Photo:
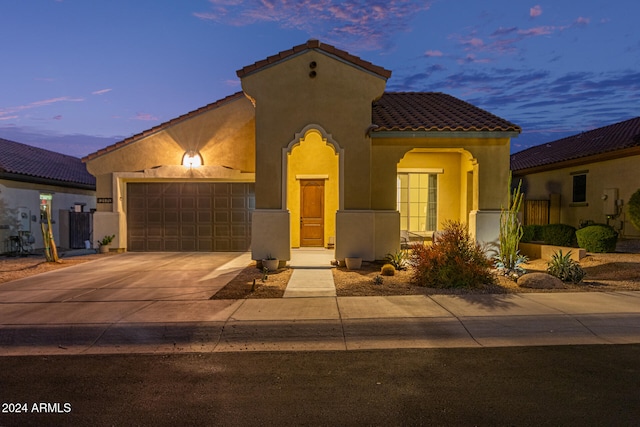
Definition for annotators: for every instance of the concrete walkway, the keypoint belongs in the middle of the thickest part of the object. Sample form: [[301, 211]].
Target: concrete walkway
[[312, 276], [133, 303]]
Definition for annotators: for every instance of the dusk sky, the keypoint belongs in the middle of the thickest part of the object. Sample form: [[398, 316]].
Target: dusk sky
[[78, 75]]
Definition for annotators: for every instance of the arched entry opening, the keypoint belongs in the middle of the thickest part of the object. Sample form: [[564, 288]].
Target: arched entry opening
[[312, 190], [434, 186]]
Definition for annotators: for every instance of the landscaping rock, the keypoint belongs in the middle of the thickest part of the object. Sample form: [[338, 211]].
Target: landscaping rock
[[540, 281]]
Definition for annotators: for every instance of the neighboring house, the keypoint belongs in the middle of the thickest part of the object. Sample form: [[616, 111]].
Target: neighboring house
[[32, 179], [312, 152], [585, 177]]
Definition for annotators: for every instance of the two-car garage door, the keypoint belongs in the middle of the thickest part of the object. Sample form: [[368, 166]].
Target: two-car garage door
[[190, 217]]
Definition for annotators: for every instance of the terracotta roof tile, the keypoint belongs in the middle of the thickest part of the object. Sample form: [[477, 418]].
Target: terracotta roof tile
[[314, 44], [607, 139], [28, 161], [433, 111], [163, 126]]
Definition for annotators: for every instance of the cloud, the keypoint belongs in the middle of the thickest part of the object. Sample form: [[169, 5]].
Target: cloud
[[145, 117], [582, 21], [101, 91], [359, 24], [537, 31], [433, 53], [36, 104], [58, 117], [535, 11]]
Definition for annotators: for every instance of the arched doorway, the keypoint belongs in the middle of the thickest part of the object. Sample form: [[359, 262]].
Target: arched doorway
[[312, 190]]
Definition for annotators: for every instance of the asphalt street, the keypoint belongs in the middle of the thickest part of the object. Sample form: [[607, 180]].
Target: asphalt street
[[564, 385]]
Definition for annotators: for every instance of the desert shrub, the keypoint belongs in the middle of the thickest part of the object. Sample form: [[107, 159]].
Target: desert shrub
[[559, 235], [388, 270], [564, 268], [597, 238], [398, 260], [633, 207], [531, 233], [378, 280], [455, 260]]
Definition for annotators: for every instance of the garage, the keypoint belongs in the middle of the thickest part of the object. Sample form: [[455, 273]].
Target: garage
[[189, 216]]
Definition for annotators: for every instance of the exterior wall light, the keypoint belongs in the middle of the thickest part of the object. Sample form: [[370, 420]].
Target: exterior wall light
[[192, 159]]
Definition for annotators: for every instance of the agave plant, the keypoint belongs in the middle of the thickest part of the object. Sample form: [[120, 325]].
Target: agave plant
[[512, 267], [399, 259], [564, 268]]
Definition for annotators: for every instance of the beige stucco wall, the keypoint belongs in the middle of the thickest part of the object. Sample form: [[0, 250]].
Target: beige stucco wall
[[313, 159], [620, 173], [224, 136], [338, 99]]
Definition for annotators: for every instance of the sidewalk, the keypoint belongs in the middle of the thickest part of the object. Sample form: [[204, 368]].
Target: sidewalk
[[323, 323], [158, 303]]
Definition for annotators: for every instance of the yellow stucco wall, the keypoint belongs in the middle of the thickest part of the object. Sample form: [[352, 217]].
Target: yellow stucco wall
[[313, 158], [617, 173]]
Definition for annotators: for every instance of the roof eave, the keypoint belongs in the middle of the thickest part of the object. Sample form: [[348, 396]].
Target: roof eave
[[611, 155], [46, 181], [443, 134], [326, 49]]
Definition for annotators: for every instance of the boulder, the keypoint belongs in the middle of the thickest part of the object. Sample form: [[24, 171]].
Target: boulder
[[540, 281]]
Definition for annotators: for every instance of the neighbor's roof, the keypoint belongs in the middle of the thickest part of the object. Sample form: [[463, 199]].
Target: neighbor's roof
[[607, 139], [433, 111], [163, 126], [21, 162], [314, 45]]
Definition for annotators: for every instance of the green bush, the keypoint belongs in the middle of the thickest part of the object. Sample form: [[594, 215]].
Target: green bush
[[531, 233], [634, 209], [564, 268], [597, 238], [559, 235], [455, 260], [388, 270]]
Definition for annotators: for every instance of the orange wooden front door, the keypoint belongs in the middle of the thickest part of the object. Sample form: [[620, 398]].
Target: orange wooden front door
[[311, 212]]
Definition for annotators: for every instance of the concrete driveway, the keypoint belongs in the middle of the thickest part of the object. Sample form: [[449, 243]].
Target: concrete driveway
[[130, 277]]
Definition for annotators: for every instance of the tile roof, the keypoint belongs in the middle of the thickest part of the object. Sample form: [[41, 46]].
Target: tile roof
[[36, 164], [317, 45], [607, 139], [433, 111], [163, 126]]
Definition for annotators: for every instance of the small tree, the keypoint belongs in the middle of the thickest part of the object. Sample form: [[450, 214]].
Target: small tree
[[509, 260]]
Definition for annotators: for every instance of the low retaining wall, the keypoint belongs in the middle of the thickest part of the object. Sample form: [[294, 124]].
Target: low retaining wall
[[538, 250]]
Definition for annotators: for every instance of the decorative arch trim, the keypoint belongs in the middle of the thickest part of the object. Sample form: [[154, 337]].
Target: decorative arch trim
[[296, 141]]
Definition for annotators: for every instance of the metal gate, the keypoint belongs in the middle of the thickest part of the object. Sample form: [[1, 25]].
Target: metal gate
[[80, 229]]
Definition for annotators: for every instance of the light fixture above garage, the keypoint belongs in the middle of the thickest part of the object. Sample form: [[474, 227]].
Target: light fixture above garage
[[192, 159]]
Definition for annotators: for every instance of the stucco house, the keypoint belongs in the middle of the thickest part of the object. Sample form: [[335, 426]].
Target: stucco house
[[311, 152], [32, 179], [585, 177]]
